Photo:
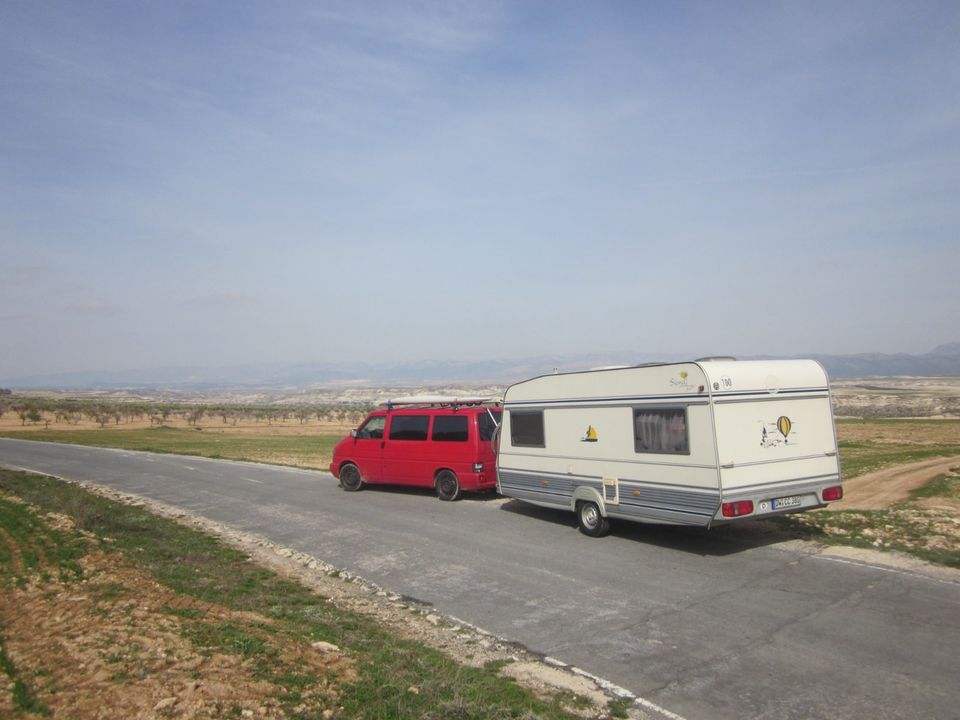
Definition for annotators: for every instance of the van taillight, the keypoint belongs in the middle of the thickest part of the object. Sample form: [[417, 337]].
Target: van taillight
[[736, 509], [832, 493]]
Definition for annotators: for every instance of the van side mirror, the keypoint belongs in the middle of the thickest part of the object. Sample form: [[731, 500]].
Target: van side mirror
[[353, 434]]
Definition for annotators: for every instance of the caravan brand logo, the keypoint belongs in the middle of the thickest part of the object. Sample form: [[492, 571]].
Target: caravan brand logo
[[590, 435], [774, 434]]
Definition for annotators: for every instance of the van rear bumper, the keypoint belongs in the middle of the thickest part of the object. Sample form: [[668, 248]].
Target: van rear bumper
[[478, 481]]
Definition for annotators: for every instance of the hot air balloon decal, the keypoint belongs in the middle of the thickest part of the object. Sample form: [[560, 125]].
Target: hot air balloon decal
[[784, 425]]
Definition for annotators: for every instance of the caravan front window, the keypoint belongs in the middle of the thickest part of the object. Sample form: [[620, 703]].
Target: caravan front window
[[661, 430], [526, 428]]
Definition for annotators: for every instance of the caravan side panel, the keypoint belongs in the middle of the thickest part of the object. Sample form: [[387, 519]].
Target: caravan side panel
[[590, 445]]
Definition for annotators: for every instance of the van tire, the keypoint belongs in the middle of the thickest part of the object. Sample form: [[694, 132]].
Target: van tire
[[448, 487], [590, 520], [350, 478]]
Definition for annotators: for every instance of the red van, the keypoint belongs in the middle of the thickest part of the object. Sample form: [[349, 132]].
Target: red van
[[443, 443]]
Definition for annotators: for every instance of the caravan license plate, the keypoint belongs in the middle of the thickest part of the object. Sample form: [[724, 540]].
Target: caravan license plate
[[786, 502]]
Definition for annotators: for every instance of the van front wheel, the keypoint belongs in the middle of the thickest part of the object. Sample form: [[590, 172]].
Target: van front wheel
[[448, 487], [350, 478], [591, 522]]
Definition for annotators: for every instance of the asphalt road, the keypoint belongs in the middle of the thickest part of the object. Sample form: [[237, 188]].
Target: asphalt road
[[708, 625]]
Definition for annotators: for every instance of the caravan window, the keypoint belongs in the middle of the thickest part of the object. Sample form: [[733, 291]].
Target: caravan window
[[661, 430], [526, 428]]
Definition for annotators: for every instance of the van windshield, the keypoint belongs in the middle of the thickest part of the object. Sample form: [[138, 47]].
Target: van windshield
[[487, 425]]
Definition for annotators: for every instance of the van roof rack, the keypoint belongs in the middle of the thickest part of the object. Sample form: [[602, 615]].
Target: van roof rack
[[438, 401]]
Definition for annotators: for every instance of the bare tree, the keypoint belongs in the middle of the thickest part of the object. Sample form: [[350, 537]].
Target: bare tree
[[196, 415]]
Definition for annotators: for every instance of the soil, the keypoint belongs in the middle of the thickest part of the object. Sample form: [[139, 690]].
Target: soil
[[883, 488], [897, 397], [924, 432], [111, 645]]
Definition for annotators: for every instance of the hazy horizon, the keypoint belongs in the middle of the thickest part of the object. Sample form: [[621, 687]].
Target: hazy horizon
[[943, 360], [233, 184]]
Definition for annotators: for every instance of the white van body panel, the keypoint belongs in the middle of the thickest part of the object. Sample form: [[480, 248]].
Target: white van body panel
[[755, 430]]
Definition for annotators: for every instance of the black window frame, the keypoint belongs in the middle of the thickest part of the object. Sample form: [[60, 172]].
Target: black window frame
[[513, 428], [426, 427], [442, 419], [683, 409]]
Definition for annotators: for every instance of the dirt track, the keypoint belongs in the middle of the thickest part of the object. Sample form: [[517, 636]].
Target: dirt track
[[881, 489]]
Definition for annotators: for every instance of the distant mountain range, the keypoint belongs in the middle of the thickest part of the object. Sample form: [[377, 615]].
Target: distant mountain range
[[943, 360]]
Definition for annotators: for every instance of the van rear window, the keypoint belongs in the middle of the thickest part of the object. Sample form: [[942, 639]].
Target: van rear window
[[409, 427], [450, 428], [487, 424]]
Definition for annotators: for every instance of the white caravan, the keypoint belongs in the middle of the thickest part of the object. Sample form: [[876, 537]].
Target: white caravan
[[693, 443]]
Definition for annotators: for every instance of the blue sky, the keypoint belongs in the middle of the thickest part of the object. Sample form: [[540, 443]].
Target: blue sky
[[189, 183]]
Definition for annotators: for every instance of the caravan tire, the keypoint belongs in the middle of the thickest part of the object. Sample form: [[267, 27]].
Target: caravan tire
[[591, 522], [448, 487], [350, 478]]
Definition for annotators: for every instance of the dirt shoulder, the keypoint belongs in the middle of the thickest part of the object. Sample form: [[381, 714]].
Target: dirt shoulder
[[881, 489]]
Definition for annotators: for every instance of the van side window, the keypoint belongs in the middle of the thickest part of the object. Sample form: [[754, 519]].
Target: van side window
[[450, 428], [526, 428], [487, 425], [373, 428], [409, 427], [661, 430]]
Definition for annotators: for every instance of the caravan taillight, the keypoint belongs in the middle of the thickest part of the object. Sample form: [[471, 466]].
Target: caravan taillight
[[736, 509], [832, 493]]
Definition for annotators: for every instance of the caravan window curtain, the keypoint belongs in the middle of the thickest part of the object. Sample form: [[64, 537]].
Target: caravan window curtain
[[661, 430]]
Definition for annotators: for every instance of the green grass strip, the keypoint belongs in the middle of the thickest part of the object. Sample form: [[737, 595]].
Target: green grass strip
[[23, 697]]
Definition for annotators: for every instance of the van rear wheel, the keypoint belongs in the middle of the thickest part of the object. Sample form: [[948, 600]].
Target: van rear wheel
[[448, 487], [591, 522], [350, 478]]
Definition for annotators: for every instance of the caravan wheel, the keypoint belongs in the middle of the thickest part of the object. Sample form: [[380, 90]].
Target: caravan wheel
[[591, 522]]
